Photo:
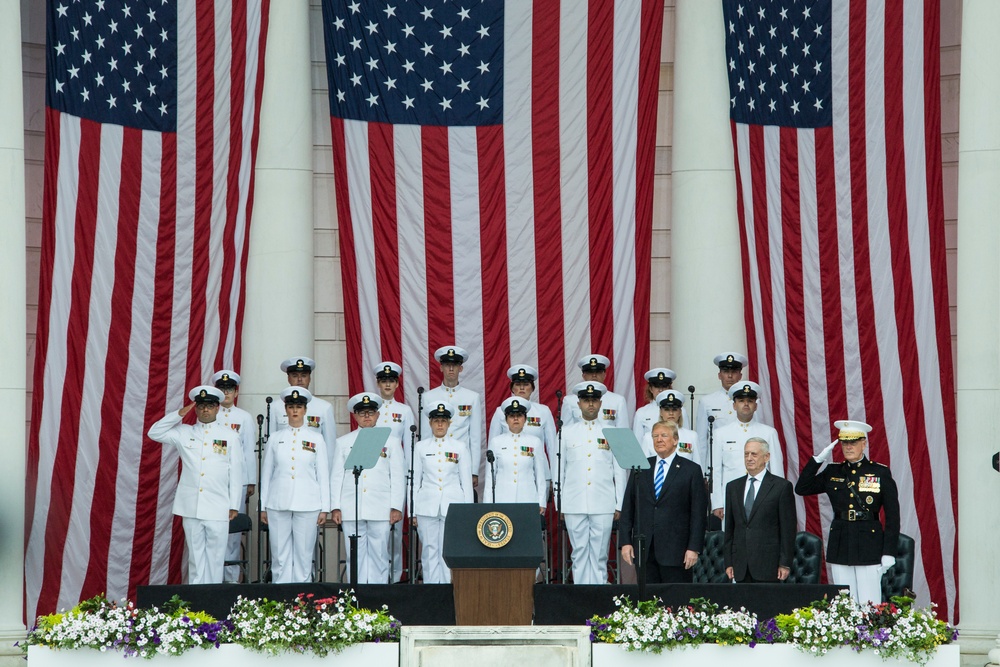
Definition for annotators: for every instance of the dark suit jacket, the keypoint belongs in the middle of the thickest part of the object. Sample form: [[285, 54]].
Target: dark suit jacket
[[766, 540], [674, 522]]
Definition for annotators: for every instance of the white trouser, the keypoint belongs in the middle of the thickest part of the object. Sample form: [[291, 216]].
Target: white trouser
[[293, 541], [206, 546], [373, 551], [431, 529], [396, 551], [232, 574], [865, 581], [589, 535]]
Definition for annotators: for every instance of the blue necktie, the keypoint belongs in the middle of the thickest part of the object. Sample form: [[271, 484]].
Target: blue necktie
[[748, 502], [658, 479]]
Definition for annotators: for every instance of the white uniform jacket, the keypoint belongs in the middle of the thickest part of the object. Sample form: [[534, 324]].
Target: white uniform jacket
[[399, 417], [295, 475], [442, 473], [688, 446], [614, 410], [467, 425], [211, 481], [727, 455], [380, 489], [540, 423], [520, 470], [240, 421], [645, 417], [718, 405], [319, 415], [593, 483]]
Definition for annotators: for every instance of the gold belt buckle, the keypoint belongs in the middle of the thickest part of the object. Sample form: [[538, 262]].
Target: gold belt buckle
[[852, 515]]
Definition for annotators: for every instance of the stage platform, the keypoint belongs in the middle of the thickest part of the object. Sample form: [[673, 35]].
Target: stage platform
[[555, 604]]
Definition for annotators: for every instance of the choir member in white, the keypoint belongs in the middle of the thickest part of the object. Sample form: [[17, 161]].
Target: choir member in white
[[613, 410], [539, 421], [658, 380], [718, 404], [518, 467], [319, 414], [468, 420]]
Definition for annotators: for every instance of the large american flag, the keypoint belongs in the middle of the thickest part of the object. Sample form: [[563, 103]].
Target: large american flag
[[836, 126], [151, 124], [493, 165]]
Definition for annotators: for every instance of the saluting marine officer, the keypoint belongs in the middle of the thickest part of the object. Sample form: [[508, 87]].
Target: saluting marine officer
[[859, 549], [442, 474], [211, 485], [519, 460], [380, 494]]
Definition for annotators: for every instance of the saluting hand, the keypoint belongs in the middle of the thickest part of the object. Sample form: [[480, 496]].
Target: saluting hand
[[827, 453]]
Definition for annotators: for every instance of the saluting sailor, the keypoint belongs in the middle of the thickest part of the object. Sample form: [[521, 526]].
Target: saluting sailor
[[442, 473], [210, 489], [658, 380], [613, 410], [295, 490], [519, 460], [859, 549], [380, 493]]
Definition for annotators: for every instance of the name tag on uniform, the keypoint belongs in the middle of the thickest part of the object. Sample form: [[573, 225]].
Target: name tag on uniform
[[608, 414], [220, 447], [527, 451], [309, 446], [869, 484], [837, 479], [451, 457], [313, 422], [465, 411], [603, 444], [534, 421]]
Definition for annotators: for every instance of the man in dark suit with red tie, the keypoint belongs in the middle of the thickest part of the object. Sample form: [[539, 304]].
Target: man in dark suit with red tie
[[671, 510], [760, 521]]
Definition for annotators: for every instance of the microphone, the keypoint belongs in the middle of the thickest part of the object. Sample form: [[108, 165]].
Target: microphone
[[420, 390], [268, 400], [558, 393], [490, 458], [413, 428], [260, 420], [690, 388], [711, 419]]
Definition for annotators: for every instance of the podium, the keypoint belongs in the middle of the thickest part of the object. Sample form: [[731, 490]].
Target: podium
[[493, 550]]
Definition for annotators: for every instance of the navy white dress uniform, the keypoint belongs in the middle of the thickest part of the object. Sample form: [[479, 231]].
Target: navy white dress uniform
[[468, 420], [718, 404], [379, 491], [593, 485], [689, 446], [859, 548], [660, 380], [519, 462], [727, 448], [614, 409], [211, 484], [319, 413], [539, 423], [399, 417], [295, 488], [442, 474], [243, 423]]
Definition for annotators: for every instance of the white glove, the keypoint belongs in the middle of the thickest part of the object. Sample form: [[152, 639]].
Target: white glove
[[827, 453], [887, 562]]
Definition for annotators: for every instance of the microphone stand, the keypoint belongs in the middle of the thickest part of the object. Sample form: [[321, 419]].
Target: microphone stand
[[694, 425], [260, 533], [640, 537], [357, 520], [411, 542], [491, 458], [559, 512], [710, 475], [420, 413], [267, 419]]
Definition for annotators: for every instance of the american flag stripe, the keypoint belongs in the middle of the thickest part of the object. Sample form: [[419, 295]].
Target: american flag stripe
[[843, 244], [517, 241], [140, 296]]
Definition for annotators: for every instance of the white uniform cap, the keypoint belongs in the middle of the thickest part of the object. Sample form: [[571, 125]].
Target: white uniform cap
[[206, 394], [672, 399], [226, 376], [522, 373], [440, 409], [660, 375], [298, 364], [730, 359], [852, 430], [451, 354], [515, 404], [745, 389], [589, 389], [387, 370], [296, 394], [594, 362], [364, 401]]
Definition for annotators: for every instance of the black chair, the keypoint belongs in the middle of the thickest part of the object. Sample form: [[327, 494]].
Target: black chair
[[242, 524], [899, 577], [807, 564], [711, 567]]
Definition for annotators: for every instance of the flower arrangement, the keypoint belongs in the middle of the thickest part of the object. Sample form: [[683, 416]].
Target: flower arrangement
[[895, 629], [317, 625]]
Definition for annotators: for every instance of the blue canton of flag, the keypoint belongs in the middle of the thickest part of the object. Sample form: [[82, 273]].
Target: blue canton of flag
[[778, 59], [112, 63], [401, 62]]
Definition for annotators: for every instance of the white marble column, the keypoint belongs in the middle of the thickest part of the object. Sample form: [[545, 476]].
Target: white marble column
[[13, 311], [279, 309], [978, 370], [706, 311]]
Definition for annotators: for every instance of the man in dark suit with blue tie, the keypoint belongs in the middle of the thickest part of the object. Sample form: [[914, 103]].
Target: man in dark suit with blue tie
[[670, 510], [760, 521]]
